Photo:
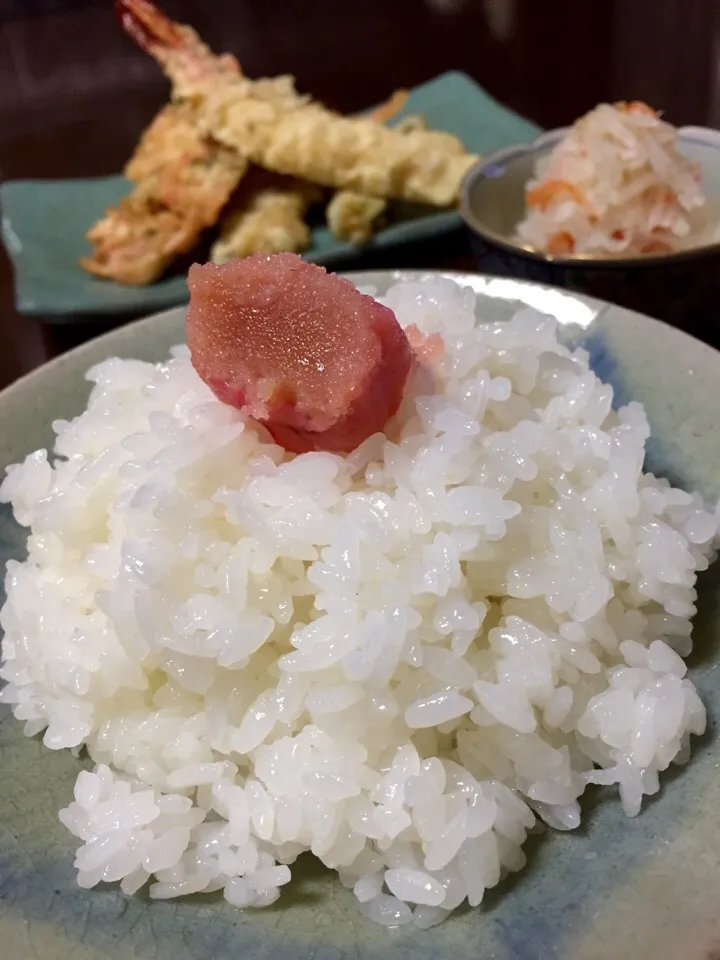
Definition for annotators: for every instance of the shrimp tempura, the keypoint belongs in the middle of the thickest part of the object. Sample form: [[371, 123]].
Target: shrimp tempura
[[298, 137], [272, 219], [353, 216], [183, 178], [192, 157], [183, 181], [313, 143]]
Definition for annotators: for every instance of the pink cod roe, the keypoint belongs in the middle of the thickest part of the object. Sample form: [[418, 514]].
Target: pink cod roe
[[319, 364]]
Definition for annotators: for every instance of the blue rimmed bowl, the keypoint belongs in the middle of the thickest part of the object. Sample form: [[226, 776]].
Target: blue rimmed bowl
[[616, 889], [681, 288]]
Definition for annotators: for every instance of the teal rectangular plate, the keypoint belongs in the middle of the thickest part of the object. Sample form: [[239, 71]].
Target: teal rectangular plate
[[44, 221]]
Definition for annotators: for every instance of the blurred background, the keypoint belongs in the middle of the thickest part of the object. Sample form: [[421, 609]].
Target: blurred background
[[75, 92], [66, 68]]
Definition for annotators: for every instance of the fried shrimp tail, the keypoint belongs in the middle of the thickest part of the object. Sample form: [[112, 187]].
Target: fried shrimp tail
[[185, 59]]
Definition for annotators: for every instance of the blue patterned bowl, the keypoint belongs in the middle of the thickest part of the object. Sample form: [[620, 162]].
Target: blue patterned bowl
[[681, 288], [613, 890]]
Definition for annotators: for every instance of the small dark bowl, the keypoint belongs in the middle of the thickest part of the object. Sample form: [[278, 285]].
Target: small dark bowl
[[681, 288]]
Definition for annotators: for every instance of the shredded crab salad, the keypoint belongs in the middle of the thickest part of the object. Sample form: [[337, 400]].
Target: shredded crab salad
[[617, 185]]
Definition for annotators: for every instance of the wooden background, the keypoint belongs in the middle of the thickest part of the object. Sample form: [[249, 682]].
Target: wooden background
[[75, 92]]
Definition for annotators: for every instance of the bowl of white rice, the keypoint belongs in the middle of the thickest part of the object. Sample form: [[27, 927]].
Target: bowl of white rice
[[622, 206], [451, 694]]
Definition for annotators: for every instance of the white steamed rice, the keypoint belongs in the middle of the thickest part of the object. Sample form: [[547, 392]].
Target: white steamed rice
[[397, 660]]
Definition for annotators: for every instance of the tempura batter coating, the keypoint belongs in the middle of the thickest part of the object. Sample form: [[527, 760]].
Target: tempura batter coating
[[313, 143], [351, 216], [271, 220], [135, 241], [271, 217], [183, 181]]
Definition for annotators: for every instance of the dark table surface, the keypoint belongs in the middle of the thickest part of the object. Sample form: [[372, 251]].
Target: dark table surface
[[75, 93]]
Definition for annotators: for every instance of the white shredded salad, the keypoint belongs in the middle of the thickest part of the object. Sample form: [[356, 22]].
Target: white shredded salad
[[400, 660], [617, 185]]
